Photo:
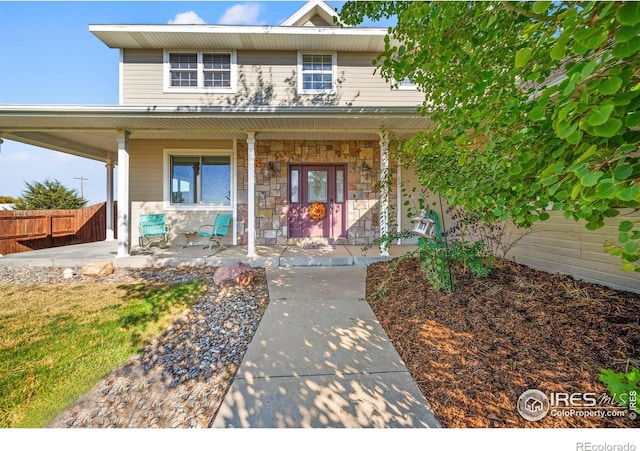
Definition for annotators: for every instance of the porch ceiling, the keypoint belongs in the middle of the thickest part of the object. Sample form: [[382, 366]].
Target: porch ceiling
[[91, 132]]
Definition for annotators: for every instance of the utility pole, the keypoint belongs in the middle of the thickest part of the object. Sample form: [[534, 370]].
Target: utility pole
[[82, 179]]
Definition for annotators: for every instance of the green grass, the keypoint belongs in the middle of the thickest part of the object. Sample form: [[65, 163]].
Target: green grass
[[57, 342]]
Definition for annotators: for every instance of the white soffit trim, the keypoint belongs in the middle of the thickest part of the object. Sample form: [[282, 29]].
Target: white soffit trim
[[250, 37]]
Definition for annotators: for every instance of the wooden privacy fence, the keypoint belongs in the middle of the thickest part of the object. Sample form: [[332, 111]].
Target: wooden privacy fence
[[26, 230]]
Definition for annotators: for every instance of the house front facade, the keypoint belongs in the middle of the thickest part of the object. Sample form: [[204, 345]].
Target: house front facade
[[258, 121], [264, 122]]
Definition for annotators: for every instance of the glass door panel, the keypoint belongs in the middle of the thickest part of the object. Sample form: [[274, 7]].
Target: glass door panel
[[317, 186]]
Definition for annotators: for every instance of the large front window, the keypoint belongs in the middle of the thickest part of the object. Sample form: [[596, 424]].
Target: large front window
[[316, 73], [197, 180], [200, 70]]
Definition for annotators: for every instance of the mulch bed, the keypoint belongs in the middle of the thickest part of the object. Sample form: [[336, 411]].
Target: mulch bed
[[474, 352]]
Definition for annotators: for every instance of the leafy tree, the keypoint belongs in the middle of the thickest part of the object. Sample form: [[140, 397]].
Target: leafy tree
[[49, 195], [534, 104]]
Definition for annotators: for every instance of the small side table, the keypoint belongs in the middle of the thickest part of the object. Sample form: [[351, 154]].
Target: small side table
[[189, 235]]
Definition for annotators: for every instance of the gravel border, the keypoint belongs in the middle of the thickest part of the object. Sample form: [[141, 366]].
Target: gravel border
[[183, 374]]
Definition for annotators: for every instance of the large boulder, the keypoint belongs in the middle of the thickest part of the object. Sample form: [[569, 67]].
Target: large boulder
[[236, 273], [98, 269]]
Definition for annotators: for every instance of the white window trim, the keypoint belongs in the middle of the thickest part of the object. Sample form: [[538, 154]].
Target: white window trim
[[334, 73], [166, 179], [200, 87]]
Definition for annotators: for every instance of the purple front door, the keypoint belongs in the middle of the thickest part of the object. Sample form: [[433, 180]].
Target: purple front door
[[309, 184]]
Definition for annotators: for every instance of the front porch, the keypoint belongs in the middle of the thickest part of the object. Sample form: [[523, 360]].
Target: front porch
[[267, 256]]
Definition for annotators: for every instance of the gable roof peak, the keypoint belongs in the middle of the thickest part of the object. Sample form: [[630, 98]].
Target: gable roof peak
[[309, 11]]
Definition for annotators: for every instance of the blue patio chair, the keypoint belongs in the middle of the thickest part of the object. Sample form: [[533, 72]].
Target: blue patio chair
[[219, 229], [153, 229]]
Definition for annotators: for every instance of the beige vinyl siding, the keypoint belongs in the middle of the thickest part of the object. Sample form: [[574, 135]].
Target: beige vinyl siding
[[412, 191], [145, 174], [567, 247], [178, 223], [142, 77], [359, 86], [263, 78], [146, 184]]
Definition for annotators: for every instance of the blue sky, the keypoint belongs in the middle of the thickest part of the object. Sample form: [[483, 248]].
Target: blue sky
[[40, 41]]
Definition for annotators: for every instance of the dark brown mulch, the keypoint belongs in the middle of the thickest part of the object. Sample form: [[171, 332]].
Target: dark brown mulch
[[474, 352]]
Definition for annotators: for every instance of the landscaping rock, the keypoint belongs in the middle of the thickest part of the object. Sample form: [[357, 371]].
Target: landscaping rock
[[181, 377], [236, 273], [98, 269]]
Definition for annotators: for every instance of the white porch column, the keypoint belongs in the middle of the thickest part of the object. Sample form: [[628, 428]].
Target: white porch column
[[110, 234], [251, 174], [384, 189], [124, 209]]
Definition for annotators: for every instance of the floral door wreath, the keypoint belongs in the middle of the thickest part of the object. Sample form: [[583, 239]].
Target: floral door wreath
[[317, 212]]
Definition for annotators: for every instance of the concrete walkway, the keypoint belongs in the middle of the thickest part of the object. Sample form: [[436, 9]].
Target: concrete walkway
[[320, 359]]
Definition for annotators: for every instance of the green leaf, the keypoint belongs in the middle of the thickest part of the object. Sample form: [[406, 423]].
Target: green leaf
[[620, 384], [565, 129], [633, 119], [606, 190], [592, 226], [629, 14], [537, 113], [591, 178], [575, 137], [626, 49], [599, 115], [558, 51], [523, 56], [544, 216], [622, 171], [610, 85], [631, 247], [608, 129], [623, 238], [630, 193], [625, 226], [627, 33], [540, 7], [515, 169]]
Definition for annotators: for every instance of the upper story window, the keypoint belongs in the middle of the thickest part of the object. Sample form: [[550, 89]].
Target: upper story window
[[317, 73], [407, 84], [210, 71]]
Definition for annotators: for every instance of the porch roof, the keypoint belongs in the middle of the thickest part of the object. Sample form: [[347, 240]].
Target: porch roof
[[91, 131]]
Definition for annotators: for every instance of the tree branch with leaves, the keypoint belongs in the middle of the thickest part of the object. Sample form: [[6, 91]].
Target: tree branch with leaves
[[534, 106]]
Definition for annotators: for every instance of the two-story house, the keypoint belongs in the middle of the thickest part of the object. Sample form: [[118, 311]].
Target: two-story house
[[259, 121], [262, 122]]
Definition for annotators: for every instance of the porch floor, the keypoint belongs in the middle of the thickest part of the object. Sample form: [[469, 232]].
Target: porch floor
[[198, 255]]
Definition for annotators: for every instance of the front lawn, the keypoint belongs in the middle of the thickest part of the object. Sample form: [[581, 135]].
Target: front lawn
[[57, 341]]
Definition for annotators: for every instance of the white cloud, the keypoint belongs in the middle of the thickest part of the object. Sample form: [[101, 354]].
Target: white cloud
[[242, 14], [188, 18]]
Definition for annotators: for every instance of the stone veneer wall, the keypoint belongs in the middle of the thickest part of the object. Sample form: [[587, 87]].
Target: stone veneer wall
[[363, 223]]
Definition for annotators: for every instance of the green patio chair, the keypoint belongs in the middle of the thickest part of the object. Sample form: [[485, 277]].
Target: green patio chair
[[219, 229], [153, 229]]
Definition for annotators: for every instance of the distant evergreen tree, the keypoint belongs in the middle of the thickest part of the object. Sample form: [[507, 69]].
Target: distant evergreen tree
[[49, 195], [7, 200]]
